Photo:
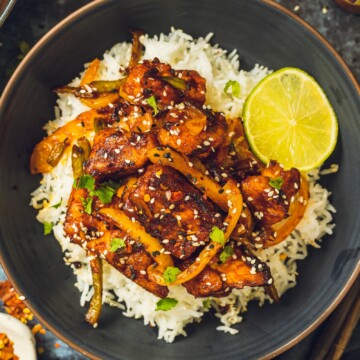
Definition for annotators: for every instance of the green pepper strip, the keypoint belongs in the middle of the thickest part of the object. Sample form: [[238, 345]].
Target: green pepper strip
[[94, 310]]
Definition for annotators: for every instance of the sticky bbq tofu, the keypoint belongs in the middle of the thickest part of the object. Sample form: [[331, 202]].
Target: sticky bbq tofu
[[115, 154], [127, 256], [171, 210], [269, 195], [192, 131], [80, 226], [239, 269], [169, 87]]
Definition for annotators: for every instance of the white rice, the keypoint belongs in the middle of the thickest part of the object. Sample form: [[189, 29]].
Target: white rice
[[181, 51]]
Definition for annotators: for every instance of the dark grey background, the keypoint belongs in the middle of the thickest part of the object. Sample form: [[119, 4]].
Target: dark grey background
[[31, 19]]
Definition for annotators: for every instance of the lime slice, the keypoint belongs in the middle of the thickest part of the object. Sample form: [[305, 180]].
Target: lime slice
[[287, 117]]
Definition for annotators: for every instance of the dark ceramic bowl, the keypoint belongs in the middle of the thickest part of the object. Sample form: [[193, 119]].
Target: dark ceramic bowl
[[263, 33]]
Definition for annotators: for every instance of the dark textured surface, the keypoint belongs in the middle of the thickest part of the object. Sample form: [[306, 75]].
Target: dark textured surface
[[31, 19]]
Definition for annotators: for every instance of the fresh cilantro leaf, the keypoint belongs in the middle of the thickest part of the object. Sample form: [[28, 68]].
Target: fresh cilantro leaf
[[104, 193], [276, 183], [56, 206], [166, 304], [227, 253], [86, 182], [152, 102], [207, 304], [116, 243], [87, 204], [170, 274], [235, 88], [217, 235], [47, 227]]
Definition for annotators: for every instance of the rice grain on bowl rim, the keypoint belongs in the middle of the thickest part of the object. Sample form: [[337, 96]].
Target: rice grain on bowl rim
[[181, 51]]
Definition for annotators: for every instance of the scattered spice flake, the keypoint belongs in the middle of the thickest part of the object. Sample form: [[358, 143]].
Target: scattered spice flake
[[7, 348], [57, 345], [13, 304]]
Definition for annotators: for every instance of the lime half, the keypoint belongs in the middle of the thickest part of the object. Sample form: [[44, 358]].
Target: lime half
[[287, 117]]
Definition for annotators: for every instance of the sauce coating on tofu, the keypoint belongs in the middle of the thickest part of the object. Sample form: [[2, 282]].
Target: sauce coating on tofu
[[192, 131], [172, 210], [269, 195], [115, 154]]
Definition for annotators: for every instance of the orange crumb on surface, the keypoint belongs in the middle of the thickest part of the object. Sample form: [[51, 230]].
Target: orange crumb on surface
[[57, 345], [13, 303], [7, 348]]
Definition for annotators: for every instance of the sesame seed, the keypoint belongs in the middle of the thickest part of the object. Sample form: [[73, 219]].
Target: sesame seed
[[142, 272], [250, 198], [270, 281]]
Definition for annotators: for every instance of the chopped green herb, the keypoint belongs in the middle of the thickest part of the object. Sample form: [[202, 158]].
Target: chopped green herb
[[170, 274], [166, 304], [227, 253], [47, 227], [235, 88], [116, 243], [207, 304], [86, 182], [276, 183], [217, 235], [104, 193], [56, 206], [87, 203], [152, 102]]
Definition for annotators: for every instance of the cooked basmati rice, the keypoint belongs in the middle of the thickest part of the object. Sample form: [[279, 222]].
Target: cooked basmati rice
[[181, 51]]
